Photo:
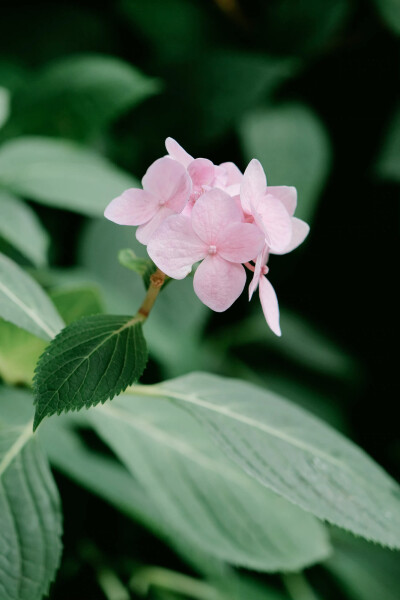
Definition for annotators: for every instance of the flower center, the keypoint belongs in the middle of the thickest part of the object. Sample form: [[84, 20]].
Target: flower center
[[161, 202], [212, 249]]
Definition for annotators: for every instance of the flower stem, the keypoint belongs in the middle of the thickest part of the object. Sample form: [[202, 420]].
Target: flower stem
[[157, 280]]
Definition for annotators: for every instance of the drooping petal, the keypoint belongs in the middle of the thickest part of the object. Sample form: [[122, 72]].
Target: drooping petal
[[269, 303], [300, 230], [240, 242], [212, 213], [287, 194], [201, 171], [218, 283], [169, 181], [260, 262], [145, 232], [133, 207], [175, 247], [177, 152], [253, 184], [273, 218]]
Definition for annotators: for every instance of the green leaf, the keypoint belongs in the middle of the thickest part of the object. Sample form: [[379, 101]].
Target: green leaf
[[292, 453], [19, 353], [206, 500], [21, 228], [79, 95], [390, 13], [20, 350], [143, 266], [61, 174], [77, 301], [24, 303], [294, 149], [90, 361], [364, 570], [30, 517]]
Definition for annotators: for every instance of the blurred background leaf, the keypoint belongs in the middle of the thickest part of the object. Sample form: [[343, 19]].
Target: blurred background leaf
[[78, 96], [61, 174], [293, 145]]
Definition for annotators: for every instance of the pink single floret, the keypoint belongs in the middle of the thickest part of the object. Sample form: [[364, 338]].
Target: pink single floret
[[166, 190], [216, 234]]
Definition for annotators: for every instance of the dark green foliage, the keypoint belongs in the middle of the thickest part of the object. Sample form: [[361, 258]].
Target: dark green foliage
[[90, 361]]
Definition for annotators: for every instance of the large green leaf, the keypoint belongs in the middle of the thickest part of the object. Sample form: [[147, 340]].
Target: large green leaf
[[30, 516], [61, 174], [21, 228], [292, 144], [292, 453], [24, 303], [206, 500], [364, 570], [78, 95], [90, 361]]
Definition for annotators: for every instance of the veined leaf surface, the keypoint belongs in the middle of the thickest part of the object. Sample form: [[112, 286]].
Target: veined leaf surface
[[292, 453]]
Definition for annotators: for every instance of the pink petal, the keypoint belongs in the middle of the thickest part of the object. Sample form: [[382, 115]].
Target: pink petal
[[218, 283], [300, 230], [269, 303], [233, 190], [261, 261], [133, 207], [272, 217], [175, 247], [169, 181], [240, 242], [253, 184], [201, 171], [287, 194], [177, 152], [212, 213], [233, 173], [145, 232]]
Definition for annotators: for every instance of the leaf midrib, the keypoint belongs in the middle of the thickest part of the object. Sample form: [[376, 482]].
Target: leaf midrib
[[28, 311], [159, 392], [22, 439]]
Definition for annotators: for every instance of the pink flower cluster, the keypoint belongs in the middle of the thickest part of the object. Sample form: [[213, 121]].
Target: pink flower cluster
[[191, 210]]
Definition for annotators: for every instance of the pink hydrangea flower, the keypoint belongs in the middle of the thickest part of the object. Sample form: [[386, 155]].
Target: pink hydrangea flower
[[216, 235], [272, 208], [268, 299], [166, 190], [204, 173]]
